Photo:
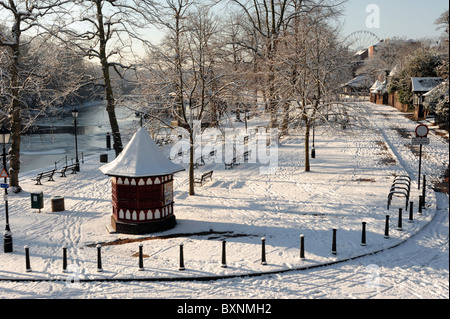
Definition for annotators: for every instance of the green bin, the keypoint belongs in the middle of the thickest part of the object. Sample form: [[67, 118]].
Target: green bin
[[37, 200]]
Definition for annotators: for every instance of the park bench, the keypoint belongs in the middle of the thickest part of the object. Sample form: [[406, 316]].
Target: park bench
[[203, 178], [200, 161], [41, 175], [72, 167], [233, 163]]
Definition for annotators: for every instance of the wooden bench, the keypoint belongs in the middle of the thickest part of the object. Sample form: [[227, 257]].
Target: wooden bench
[[203, 178], [48, 174], [72, 167], [233, 163], [200, 161]]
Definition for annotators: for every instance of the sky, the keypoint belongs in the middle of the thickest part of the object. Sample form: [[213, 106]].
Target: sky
[[412, 19]]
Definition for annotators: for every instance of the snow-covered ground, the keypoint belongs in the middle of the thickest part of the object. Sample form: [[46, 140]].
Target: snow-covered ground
[[348, 184]]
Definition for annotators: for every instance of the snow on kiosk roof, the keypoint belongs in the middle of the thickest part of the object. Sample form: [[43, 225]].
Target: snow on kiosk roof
[[141, 158]]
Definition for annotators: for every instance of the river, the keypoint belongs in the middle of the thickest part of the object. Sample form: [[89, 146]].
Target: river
[[54, 141]]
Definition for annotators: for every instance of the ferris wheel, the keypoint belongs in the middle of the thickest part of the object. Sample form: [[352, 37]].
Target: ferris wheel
[[360, 40]]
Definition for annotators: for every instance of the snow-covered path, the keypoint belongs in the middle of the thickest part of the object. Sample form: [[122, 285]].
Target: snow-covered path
[[348, 183]]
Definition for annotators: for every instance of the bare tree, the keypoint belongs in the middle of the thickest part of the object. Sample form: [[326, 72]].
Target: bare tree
[[188, 69], [310, 70], [21, 17], [106, 31]]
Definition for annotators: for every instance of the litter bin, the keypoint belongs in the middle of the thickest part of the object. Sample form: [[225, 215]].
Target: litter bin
[[103, 158], [57, 203], [37, 200]]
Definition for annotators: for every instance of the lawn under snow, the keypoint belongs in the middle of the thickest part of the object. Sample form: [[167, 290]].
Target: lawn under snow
[[348, 184]]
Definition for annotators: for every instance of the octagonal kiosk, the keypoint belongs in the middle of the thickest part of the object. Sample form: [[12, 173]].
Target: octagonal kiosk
[[142, 187]]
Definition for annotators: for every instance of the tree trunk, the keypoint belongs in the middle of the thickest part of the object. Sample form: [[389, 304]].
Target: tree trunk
[[15, 114], [110, 106]]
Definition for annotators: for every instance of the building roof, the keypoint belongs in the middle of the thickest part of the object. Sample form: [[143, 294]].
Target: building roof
[[141, 158], [440, 87], [378, 87], [361, 81], [425, 84]]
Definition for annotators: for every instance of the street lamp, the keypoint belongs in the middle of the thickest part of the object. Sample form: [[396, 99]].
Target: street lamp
[[5, 135], [75, 115], [313, 151]]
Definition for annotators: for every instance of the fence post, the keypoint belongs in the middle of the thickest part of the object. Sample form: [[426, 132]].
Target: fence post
[[224, 260], [263, 251], [363, 236], [302, 246], [141, 258], [333, 246], [386, 227], [399, 224], [64, 259], [27, 259], [411, 206], [181, 258], [99, 258]]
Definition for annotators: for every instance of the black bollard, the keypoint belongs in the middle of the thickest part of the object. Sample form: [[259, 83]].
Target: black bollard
[[333, 246], [363, 236], [27, 259], [108, 141], [99, 258], [263, 251], [64, 259], [399, 224], [424, 190], [141, 258], [302, 246], [411, 207], [386, 227], [181, 258], [420, 206], [224, 260]]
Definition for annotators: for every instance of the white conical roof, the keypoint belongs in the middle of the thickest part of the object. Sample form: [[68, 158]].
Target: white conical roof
[[141, 158]]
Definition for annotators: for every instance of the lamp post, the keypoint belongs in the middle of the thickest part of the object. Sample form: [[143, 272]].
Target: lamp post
[[313, 150], [5, 134], [75, 115]]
